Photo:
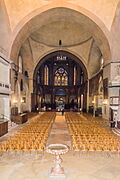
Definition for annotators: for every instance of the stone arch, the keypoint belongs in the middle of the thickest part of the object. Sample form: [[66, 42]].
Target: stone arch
[[69, 58], [76, 58], [28, 25], [68, 51]]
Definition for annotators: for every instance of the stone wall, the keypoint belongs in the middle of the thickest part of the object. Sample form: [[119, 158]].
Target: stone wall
[[4, 87]]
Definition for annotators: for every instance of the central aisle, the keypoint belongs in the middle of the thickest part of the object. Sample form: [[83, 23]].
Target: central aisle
[[59, 132]]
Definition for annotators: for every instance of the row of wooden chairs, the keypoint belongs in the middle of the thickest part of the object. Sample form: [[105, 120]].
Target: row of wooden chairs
[[91, 135], [31, 137]]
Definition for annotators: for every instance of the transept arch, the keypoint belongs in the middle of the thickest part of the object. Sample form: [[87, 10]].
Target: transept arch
[[60, 79], [30, 23]]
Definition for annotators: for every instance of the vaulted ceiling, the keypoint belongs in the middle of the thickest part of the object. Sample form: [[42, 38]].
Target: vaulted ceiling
[[69, 32], [79, 25]]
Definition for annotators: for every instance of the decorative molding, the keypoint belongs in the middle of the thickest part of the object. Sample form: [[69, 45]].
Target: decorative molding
[[112, 62]]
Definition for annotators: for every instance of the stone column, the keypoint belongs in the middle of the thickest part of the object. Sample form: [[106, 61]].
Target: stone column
[[30, 90], [114, 91], [88, 96], [106, 78], [111, 71]]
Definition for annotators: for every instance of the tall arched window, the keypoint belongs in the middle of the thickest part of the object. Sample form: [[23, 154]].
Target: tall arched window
[[102, 62], [21, 85], [20, 61], [75, 73], [82, 78], [61, 77], [38, 77], [46, 75]]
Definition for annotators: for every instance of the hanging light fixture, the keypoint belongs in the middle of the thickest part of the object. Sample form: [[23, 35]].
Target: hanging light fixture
[[60, 57]]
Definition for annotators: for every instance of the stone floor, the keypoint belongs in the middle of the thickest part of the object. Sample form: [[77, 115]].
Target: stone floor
[[77, 166]]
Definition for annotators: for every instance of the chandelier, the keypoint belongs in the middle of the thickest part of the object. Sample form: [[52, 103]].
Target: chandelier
[[60, 57]]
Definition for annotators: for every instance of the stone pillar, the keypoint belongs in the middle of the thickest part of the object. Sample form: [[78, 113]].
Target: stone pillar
[[114, 91], [111, 71], [4, 87], [81, 102], [88, 96], [106, 79], [30, 91]]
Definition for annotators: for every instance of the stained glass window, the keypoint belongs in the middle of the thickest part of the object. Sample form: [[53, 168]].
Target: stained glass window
[[46, 72], [61, 77], [21, 85]]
